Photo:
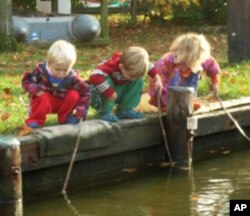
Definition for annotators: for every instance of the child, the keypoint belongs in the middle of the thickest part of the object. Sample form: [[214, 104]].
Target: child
[[189, 55], [54, 87], [119, 81]]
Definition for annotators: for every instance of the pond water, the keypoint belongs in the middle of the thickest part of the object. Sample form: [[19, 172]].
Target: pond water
[[206, 190]]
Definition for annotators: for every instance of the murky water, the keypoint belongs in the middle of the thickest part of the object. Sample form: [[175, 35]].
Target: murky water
[[204, 191]]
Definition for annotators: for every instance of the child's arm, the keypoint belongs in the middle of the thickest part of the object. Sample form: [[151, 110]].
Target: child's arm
[[31, 82], [97, 78], [82, 105], [215, 80], [157, 82], [102, 71], [213, 70]]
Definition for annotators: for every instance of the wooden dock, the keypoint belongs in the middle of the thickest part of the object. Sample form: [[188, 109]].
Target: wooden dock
[[109, 152]]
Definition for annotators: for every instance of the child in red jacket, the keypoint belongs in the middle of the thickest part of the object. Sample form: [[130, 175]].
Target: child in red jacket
[[119, 82], [54, 87]]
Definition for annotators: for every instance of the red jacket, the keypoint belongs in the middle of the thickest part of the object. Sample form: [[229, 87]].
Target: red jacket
[[111, 68]]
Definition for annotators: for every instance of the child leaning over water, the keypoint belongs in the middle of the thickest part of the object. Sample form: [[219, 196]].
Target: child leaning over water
[[189, 55], [54, 87], [119, 81]]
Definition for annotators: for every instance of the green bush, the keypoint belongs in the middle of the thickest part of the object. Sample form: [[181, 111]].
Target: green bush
[[214, 11], [22, 5], [187, 16], [211, 12]]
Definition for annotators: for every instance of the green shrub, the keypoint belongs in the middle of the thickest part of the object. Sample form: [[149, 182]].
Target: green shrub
[[20, 5], [191, 15], [214, 11]]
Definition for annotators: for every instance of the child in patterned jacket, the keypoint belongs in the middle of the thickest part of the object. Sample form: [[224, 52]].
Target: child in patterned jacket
[[54, 87], [119, 82], [189, 55]]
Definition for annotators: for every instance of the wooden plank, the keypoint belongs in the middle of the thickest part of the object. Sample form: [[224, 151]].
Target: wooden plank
[[58, 141], [11, 199], [30, 158], [219, 144], [135, 135], [210, 107], [218, 121]]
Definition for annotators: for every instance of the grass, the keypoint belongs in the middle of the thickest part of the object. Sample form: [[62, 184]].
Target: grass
[[155, 38]]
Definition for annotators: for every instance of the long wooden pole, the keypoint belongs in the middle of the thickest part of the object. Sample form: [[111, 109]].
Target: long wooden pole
[[11, 202], [179, 108]]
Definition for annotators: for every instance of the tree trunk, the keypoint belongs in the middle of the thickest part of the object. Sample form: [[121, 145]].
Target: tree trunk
[[238, 30], [7, 38]]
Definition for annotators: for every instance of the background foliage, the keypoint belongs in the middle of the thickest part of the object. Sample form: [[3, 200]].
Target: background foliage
[[183, 12], [19, 5]]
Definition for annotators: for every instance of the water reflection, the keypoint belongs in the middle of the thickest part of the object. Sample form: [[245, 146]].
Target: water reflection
[[205, 190], [228, 179], [211, 197]]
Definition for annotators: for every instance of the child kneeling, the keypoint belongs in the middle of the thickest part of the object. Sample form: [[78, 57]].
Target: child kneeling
[[119, 82], [54, 87]]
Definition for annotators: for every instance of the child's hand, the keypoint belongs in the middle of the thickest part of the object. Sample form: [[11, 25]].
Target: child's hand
[[39, 93], [158, 83], [215, 88], [113, 97]]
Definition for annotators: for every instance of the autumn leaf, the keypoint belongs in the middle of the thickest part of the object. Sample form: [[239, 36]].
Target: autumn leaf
[[165, 164], [14, 58], [150, 164], [25, 131], [7, 91], [243, 91], [129, 170], [226, 152], [5, 116], [212, 151], [195, 198]]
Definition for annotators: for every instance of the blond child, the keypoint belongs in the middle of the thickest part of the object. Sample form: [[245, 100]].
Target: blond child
[[189, 55], [54, 87], [119, 82]]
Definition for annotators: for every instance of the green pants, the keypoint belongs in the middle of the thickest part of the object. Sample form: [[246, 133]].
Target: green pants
[[128, 96]]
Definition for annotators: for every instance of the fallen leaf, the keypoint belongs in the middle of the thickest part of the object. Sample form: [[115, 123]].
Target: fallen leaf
[[150, 164], [5, 116], [226, 152], [144, 105], [129, 170], [7, 90], [195, 198], [25, 131], [165, 164], [212, 151]]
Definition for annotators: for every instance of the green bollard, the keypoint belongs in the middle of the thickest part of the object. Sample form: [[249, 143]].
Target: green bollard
[[11, 202]]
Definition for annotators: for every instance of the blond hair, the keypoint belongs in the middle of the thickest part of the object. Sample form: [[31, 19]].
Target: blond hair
[[192, 49], [63, 53], [135, 60]]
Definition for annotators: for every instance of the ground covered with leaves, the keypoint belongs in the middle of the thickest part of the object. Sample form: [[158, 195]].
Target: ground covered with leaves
[[155, 38]]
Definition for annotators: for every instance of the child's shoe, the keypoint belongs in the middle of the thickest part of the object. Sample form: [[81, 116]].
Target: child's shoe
[[108, 117], [33, 124], [72, 120], [130, 114]]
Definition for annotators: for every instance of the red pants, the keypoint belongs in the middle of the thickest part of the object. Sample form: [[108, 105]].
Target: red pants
[[47, 103]]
